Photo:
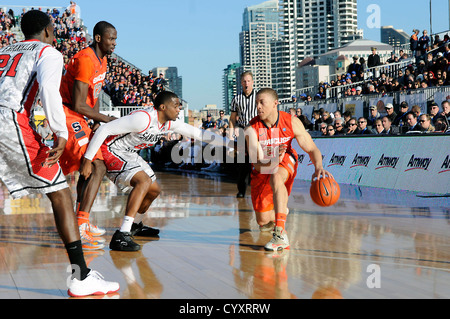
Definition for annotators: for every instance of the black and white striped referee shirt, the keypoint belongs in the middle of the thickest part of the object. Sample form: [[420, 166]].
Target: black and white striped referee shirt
[[245, 106]]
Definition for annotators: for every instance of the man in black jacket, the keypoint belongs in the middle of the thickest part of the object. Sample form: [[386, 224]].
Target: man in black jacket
[[374, 59]]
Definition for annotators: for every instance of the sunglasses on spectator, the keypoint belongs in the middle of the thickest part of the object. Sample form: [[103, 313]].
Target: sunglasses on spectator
[[361, 122], [331, 130], [352, 124], [422, 121]]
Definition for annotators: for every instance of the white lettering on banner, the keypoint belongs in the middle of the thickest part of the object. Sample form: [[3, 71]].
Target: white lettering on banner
[[418, 163], [337, 160], [360, 161], [386, 161]]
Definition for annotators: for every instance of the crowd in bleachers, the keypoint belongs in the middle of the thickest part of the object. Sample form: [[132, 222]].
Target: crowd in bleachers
[[408, 120], [7, 22], [128, 86], [429, 69]]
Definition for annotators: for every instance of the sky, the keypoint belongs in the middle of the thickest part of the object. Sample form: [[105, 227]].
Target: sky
[[201, 37]]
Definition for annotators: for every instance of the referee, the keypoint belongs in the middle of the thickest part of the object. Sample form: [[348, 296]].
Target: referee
[[243, 110]]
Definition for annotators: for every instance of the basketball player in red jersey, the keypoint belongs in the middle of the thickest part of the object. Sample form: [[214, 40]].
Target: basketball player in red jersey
[[80, 88], [274, 164]]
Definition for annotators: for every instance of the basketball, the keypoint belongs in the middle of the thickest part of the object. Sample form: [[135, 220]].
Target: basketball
[[325, 191]]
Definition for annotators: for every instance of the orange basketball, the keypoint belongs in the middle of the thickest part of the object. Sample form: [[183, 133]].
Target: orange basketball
[[325, 191]]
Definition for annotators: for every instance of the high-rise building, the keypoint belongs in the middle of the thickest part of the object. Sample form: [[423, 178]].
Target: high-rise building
[[309, 28], [230, 81], [394, 37], [175, 82], [259, 29]]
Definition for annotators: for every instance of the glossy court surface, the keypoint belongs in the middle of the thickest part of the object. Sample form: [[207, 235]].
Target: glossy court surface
[[373, 244]]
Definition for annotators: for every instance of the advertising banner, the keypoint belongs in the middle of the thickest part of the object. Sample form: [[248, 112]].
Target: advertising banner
[[413, 163]]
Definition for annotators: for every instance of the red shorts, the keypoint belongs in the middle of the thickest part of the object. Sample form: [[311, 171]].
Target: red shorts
[[261, 191], [79, 136]]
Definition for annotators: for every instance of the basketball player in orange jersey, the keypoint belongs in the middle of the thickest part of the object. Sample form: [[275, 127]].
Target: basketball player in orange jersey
[[274, 164], [80, 88]]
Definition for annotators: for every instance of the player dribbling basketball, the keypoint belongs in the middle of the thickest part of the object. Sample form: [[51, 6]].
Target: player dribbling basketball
[[274, 164]]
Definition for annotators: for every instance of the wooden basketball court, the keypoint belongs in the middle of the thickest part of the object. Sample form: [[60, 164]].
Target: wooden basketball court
[[374, 244]]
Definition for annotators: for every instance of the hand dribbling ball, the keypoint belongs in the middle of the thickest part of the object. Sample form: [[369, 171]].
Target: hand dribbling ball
[[325, 191]]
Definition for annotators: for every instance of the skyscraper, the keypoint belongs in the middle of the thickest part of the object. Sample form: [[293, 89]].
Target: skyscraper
[[309, 28], [230, 81], [259, 29], [174, 81], [394, 37]]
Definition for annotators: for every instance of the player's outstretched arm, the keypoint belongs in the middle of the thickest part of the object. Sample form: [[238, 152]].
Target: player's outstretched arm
[[202, 135], [132, 123]]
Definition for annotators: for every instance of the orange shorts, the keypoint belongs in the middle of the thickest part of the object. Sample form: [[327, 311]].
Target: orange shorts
[[261, 191], [79, 135]]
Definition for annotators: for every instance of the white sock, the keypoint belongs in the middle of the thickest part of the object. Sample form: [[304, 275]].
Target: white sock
[[126, 225]]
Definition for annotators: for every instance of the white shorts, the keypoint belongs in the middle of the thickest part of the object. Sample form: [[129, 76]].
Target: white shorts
[[121, 166], [21, 156]]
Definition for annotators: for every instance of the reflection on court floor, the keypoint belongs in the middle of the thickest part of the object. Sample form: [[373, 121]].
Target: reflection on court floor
[[373, 243]]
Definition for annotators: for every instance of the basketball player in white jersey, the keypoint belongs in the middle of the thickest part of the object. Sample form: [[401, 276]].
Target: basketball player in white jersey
[[127, 136], [32, 70]]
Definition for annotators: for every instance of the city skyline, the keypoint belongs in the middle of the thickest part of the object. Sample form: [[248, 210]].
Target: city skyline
[[201, 37]]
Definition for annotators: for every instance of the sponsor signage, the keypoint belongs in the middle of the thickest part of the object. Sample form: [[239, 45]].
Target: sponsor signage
[[414, 163]]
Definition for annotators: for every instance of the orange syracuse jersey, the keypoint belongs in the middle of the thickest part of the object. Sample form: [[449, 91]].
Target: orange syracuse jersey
[[85, 67]]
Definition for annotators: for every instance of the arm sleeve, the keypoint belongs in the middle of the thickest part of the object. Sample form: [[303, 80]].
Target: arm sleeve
[[133, 123], [49, 72], [202, 135]]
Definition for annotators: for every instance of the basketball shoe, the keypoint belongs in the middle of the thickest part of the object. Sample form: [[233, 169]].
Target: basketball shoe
[[279, 240], [93, 284], [95, 231], [144, 231], [123, 241], [88, 242]]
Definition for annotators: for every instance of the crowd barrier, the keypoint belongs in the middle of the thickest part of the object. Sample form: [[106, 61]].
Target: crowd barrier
[[411, 163]]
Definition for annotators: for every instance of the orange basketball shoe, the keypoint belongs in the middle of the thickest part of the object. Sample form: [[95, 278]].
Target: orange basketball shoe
[[88, 242]]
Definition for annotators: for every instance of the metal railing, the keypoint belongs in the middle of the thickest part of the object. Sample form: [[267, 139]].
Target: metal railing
[[340, 101]]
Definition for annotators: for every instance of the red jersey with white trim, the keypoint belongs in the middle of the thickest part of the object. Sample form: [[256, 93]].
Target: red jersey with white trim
[[281, 133]]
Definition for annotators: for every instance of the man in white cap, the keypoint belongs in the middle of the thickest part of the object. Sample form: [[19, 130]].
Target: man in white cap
[[390, 112], [373, 116]]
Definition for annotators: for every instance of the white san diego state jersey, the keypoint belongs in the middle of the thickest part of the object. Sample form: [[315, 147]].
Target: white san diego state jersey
[[142, 129], [136, 141], [19, 88]]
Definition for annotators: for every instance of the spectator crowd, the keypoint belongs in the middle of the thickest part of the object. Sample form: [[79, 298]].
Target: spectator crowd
[[407, 120], [429, 68]]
